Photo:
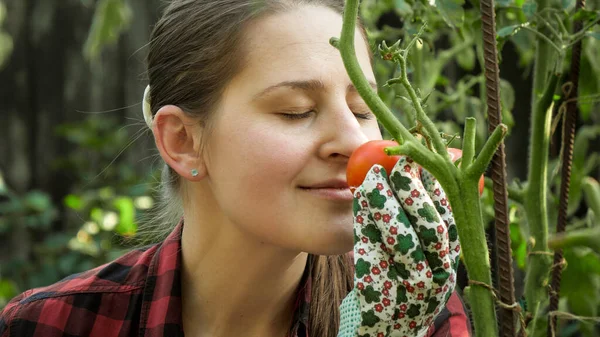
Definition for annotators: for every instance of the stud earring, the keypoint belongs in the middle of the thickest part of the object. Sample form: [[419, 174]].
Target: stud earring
[[194, 173]]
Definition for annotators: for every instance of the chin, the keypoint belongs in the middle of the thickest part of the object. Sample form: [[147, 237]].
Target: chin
[[333, 243]]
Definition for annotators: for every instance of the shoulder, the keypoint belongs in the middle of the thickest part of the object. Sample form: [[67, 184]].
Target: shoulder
[[107, 295]]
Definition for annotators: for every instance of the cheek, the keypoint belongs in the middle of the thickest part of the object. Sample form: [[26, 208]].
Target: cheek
[[254, 173]]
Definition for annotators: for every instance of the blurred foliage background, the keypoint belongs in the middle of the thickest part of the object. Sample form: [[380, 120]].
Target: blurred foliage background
[[78, 168]]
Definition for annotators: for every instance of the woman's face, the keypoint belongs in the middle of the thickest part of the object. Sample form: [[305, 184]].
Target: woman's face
[[284, 131]]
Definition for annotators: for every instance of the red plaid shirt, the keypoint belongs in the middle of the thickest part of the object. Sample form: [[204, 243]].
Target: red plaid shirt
[[140, 294]]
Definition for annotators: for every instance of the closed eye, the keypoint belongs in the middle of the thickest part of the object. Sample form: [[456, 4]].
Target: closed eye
[[295, 116], [367, 115]]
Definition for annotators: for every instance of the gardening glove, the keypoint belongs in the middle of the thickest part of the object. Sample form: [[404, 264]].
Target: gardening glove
[[406, 251]]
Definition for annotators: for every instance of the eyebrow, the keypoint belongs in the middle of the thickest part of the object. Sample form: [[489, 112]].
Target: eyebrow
[[308, 85]]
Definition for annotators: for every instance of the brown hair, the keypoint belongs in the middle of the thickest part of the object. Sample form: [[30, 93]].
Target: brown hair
[[195, 50]]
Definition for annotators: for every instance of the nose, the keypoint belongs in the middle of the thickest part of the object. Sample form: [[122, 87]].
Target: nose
[[342, 134]]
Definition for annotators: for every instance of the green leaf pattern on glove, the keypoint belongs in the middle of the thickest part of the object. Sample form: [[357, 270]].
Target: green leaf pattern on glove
[[406, 252]]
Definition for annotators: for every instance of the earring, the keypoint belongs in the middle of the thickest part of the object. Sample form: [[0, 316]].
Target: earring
[[194, 173]]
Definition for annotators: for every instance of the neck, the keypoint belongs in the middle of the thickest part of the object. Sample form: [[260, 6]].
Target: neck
[[233, 285]]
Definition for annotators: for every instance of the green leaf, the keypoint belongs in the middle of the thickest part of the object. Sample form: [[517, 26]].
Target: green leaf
[[529, 9], [403, 8], [589, 81], [504, 3], [452, 11], [591, 193], [8, 290], [518, 245], [38, 201], [126, 209], [585, 15], [581, 281], [111, 18], [6, 48], [508, 31], [507, 100], [567, 4], [595, 35], [581, 163], [97, 215], [67, 263], [74, 202]]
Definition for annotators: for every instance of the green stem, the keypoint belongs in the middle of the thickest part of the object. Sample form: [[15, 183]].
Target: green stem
[[538, 266], [467, 214], [542, 60], [543, 37], [591, 194], [588, 237], [487, 152], [581, 34], [346, 47], [549, 26], [432, 131], [563, 29]]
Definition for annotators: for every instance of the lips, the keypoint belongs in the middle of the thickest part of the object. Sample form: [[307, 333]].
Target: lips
[[336, 190], [332, 184]]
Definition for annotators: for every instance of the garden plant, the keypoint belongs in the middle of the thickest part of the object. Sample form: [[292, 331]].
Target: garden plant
[[420, 139]]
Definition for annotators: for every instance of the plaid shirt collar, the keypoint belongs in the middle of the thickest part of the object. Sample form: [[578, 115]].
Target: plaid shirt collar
[[137, 294], [161, 306]]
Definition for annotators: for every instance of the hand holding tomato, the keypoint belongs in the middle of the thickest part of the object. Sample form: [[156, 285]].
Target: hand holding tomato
[[406, 251]]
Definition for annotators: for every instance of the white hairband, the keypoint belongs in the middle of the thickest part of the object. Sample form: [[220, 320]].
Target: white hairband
[[146, 107]]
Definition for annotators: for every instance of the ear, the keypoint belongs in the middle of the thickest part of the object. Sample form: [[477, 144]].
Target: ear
[[177, 138]]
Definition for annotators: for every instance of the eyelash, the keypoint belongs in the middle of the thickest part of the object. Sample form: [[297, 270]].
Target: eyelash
[[367, 115]]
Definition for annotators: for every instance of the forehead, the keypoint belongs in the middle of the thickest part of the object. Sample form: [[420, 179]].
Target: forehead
[[295, 45]]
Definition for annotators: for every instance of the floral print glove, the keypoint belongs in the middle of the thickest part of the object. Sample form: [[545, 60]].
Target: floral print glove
[[406, 251]]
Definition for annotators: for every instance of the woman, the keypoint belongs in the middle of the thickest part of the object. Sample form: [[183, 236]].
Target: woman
[[255, 117]]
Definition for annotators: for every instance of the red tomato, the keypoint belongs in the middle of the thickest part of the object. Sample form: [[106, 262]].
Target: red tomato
[[367, 155]]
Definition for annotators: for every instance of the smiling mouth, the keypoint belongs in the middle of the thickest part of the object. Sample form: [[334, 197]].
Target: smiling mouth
[[330, 193]]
